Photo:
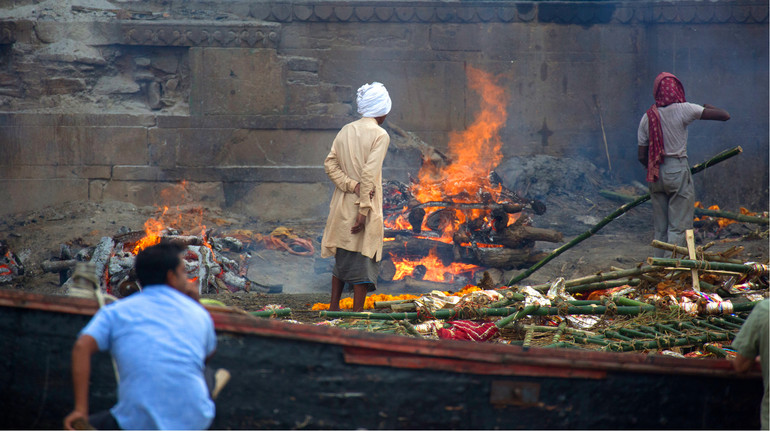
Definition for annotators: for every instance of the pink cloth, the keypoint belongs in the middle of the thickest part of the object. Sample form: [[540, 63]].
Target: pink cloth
[[468, 330], [667, 89]]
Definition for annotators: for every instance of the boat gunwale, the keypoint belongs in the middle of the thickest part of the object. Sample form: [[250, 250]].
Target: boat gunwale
[[395, 345]]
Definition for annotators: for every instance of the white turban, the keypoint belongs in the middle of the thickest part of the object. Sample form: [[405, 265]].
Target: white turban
[[373, 100]]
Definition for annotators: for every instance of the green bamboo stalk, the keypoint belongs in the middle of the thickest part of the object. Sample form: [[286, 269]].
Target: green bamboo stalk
[[410, 329], [615, 214], [559, 332], [650, 331], [528, 338], [282, 312], [622, 300], [592, 340], [592, 279], [698, 211], [715, 350], [619, 336], [590, 287], [732, 216], [666, 328], [554, 329], [748, 306], [671, 342], [700, 265], [723, 323], [711, 257], [632, 333], [734, 319], [502, 323]]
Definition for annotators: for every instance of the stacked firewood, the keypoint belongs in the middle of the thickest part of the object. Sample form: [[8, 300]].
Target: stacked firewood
[[205, 263], [496, 232]]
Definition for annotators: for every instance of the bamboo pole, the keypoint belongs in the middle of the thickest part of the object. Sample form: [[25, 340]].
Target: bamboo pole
[[615, 214], [281, 312], [699, 212], [612, 275], [502, 323], [602, 285], [704, 265], [712, 257], [559, 332], [715, 350]]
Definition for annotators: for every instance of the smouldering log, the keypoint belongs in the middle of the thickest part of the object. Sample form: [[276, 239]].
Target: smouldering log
[[387, 270], [415, 218], [517, 235], [404, 246], [58, 265]]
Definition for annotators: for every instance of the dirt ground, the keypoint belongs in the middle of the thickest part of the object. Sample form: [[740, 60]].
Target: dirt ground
[[38, 236]]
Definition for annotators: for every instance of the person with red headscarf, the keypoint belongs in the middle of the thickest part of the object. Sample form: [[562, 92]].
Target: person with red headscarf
[[662, 137]]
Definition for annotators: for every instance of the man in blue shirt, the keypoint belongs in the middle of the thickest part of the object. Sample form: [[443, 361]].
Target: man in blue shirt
[[160, 339]]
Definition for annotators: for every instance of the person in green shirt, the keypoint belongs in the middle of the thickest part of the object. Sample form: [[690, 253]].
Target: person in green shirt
[[752, 341]]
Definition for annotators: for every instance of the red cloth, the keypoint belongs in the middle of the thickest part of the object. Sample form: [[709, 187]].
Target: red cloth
[[468, 330], [666, 90]]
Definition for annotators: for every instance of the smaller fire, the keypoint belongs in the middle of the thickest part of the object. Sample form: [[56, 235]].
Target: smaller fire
[[430, 268]]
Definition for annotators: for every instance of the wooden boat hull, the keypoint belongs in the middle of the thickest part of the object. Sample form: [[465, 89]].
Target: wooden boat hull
[[290, 376]]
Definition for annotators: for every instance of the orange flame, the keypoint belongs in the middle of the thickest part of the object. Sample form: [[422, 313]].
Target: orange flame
[[153, 229], [436, 270]]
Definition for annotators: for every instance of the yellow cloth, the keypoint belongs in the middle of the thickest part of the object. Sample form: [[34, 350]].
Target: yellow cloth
[[356, 157]]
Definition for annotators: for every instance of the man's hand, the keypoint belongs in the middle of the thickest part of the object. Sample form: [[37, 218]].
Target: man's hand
[[357, 190], [75, 420], [359, 225]]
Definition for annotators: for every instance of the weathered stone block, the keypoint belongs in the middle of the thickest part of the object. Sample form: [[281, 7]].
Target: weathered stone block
[[455, 37], [236, 81], [161, 146], [242, 147], [18, 195], [305, 78], [28, 145], [102, 145], [279, 201], [302, 64], [146, 193]]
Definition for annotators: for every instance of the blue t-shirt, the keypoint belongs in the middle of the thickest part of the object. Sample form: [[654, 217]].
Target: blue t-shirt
[[160, 339]]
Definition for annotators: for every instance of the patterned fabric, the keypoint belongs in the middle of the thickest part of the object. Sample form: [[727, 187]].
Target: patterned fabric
[[666, 90], [469, 330]]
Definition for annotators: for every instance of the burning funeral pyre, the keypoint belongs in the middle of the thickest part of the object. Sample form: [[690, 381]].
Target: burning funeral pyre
[[457, 217]]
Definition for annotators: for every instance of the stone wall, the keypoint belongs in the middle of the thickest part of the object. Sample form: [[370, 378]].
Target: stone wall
[[241, 99]]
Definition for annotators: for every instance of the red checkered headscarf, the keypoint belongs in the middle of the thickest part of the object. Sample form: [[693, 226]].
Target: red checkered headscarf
[[666, 90]]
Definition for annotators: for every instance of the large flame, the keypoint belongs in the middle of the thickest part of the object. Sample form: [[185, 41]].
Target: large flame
[[474, 153]]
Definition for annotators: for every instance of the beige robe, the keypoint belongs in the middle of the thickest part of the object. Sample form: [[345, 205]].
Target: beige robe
[[356, 157]]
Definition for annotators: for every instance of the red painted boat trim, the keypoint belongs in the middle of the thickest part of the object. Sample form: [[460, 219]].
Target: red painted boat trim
[[354, 355], [411, 352]]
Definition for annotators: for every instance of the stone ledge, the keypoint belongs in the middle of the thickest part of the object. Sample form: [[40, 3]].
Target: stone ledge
[[254, 122], [74, 120], [264, 174], [33, 172]]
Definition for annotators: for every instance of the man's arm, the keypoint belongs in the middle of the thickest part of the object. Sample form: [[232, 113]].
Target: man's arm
[[742, 363], [337, 175], [642, 154], [84, 348], [713, 113], [372, 166]]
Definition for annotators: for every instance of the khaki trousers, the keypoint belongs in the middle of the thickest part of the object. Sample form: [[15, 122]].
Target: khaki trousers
[[673, 200]]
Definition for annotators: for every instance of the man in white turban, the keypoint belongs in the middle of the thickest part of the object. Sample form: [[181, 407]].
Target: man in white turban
[[354, 229]]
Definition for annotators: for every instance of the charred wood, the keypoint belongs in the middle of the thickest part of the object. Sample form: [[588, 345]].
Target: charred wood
[[518, 236], [387, 270], [416, 216], [420, 247]]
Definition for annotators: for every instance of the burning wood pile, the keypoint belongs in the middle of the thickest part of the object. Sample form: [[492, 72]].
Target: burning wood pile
[[216, 263], [457, 218], [10, 264]]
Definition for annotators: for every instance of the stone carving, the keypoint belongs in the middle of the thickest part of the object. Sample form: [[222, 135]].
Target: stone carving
[[585, 13], [190, 33]]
